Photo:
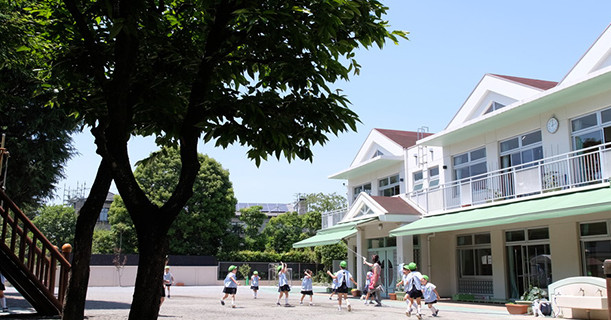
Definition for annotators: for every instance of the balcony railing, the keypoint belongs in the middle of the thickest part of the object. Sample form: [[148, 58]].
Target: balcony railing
[[587, 166], [331, 218]]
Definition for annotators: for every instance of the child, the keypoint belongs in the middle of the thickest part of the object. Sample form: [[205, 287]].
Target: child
[[283, 285], [413, 289], [306, 286], [2, 297], [366, 292], [430, 294], [343, 277], [231, 285], [254, 283], [168, 279], [334, 286]]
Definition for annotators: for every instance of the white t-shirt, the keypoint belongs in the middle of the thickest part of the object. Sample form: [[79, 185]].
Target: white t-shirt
[[429, 293], [344, 275], [413, 280]]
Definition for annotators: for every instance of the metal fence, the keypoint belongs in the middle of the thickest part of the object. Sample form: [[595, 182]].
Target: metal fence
[[268, 271]]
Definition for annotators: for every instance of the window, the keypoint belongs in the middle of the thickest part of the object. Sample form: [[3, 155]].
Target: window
[[418, 180], [595, 247], [377, 153], [433, 177], [494, 106], [389, 186], [522, 149], [591, 130], [362, 188], [103, 215], [474, 255], [469, 164]]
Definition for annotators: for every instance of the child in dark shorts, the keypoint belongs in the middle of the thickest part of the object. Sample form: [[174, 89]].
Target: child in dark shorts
[[430, 294], [306, 286], [231, 285], [254, 283], [283, 284]]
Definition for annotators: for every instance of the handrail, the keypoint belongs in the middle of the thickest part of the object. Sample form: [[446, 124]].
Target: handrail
[[33, 250]]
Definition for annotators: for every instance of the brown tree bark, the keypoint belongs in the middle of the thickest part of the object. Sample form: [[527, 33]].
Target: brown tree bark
[[74, 307]]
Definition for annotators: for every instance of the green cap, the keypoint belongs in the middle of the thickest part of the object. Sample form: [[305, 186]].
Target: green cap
[[425, 277], [232, 267], [343, 264], [255, 272], [279, 268], [405, 266], [167, 267], [412, 266]]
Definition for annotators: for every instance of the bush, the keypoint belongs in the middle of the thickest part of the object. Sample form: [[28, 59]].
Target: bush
[[321, 278], [307, 256], [244, 270]]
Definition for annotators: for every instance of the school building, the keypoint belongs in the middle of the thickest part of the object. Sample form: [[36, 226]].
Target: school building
[[514, 192]]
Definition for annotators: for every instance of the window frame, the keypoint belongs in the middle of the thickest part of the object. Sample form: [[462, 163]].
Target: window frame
[[474, 250], [394, 186], [469, 163]]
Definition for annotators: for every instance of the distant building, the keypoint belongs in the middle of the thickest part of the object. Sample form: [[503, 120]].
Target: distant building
[[102, 223], [270, 209]]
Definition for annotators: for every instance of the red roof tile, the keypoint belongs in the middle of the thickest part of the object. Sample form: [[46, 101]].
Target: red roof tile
[[540, 84], [403, 138], [395, 205]]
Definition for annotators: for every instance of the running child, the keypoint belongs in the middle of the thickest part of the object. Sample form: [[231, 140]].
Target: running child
[[366, 292], [283, 285], [413, 289], [306, 286], [168, 279], [254, 283], [430, 294], [344, 279], [334, 286], [2, 297], [231, 285]]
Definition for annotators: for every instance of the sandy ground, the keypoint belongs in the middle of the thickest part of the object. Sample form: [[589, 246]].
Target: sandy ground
[[105, 303]]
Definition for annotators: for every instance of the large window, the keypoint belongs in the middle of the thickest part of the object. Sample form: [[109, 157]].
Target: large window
[[595, 247], [362, 188], [433, 177], [529, 261], [389, 186], [474, 255], [522, 149], [592, 129], [103, 215], [418, 180], [469, 164]]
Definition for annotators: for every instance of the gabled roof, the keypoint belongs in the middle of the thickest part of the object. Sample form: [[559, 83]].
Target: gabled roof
[[596, 59], [405, 139], [540, 84], [395, 205]]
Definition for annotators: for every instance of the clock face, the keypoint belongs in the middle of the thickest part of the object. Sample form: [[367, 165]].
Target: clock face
[[552, 125]]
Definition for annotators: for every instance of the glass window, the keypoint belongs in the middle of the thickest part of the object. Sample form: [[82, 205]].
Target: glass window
[[523, 149], [516, 235], [605, 115], [595, 254], [588, 139], [593, 229], [538, 234], [510, 144], [531, 138], [362, 188], [469, 164], [417, 176], [478, 154], [389, 186], [464, 240], [482, 238], [584, 122], [460, 159]]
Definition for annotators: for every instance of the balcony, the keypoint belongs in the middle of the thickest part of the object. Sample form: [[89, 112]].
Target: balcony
[[575, 169], [331, 218]]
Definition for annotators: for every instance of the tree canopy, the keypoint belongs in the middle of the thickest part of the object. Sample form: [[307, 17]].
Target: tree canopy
[[37, 135], [257, 73], [57, 223]]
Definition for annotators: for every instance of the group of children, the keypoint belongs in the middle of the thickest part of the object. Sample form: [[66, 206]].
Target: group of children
[[416, 287]]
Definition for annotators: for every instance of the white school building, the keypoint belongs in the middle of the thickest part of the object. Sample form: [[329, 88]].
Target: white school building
[[514, 192]]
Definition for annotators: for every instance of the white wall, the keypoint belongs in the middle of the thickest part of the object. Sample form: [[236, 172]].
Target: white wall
[[107, 276]]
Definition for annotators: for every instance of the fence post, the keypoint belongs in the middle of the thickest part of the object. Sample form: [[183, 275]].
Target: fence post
[[63, 273], [607, 268]]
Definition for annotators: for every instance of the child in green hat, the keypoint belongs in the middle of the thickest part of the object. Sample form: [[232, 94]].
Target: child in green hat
[[254, 283], [283, 284], [345, 280], [231, 285]]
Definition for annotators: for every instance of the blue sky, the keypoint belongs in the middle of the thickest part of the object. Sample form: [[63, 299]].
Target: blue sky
[[420, 82]]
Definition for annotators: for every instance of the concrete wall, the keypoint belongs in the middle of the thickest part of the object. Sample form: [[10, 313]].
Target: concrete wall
[[108, 276]]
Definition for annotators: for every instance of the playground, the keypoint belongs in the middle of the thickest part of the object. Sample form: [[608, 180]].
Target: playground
[[202, 302]]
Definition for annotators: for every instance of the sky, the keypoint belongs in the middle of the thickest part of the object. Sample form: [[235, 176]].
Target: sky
[[422, 82]]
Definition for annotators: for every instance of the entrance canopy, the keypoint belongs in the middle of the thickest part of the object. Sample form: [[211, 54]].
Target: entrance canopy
[[556, 206], [331, 235]]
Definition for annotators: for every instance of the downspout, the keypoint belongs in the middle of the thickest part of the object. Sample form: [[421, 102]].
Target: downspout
[[428, 253], [405, 171]]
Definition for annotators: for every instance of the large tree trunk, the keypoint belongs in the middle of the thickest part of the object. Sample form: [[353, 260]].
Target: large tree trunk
[[74, 307], [152, 248]]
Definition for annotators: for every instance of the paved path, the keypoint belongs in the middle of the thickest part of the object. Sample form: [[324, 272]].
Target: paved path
[[105, 303]]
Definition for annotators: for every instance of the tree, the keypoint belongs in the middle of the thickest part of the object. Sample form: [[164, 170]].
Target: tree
[[253, 219], [250, 72], [122, 227], [39, 145], [203, 223], [57, 223], [282, 231], [325, 202]]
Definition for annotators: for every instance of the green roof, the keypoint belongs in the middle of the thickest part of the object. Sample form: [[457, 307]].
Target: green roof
[[331, 235], [557, 206]]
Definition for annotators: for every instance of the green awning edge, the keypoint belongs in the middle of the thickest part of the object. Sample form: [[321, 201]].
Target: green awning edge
[[332, 235], [571, 204]]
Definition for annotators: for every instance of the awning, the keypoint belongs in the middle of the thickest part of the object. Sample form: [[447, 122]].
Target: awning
[[557, 206], [331, 235]]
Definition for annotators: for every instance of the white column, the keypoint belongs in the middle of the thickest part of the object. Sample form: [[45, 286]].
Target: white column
[[405, 249], [361, 249]]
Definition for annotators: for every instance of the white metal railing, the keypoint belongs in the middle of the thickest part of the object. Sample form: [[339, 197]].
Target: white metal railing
[[570, 170], [331, 218]]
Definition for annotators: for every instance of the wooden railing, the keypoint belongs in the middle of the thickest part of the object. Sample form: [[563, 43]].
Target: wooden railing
[[33, 252]]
